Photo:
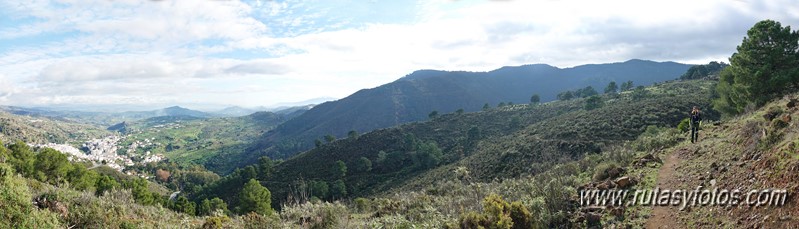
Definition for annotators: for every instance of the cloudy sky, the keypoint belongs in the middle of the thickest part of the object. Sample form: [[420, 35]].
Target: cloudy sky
[[254, 53]]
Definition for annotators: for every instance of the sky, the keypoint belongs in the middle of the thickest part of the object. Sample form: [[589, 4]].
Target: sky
[[261, 53]]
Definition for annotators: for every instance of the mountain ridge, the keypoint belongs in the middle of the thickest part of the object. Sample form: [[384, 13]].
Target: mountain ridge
[[412, 97]]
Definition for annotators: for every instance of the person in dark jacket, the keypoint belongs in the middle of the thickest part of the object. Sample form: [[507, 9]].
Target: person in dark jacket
[[696, 119]]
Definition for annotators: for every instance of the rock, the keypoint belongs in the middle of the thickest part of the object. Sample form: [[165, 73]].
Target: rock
[[623, 182], [614, 172], [713, 182], [602, 186], [786, 118]]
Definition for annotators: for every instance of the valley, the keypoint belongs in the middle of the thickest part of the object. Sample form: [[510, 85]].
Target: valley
[[515, 147]]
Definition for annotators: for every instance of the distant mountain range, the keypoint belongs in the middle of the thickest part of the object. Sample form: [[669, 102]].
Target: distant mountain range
[[414, 96], [111, 118]]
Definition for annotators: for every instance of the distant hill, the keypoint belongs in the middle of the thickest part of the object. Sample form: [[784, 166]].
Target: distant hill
[[105, 118], [414, 96], [40, 130], [234, 111]]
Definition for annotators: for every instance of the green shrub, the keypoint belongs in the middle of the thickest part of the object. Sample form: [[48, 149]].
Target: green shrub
[[322, 215], [655, 138], [363, 204], [215, 222], [520, 215], [604, 171], [16, 210], [685, 125]]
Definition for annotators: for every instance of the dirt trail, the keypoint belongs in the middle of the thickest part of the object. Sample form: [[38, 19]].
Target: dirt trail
[[666, 217]]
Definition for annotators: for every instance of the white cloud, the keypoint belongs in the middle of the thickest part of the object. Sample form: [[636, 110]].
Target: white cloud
[[269, 52]]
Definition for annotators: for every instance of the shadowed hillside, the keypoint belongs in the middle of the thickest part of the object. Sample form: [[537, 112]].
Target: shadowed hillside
[[413, 97]]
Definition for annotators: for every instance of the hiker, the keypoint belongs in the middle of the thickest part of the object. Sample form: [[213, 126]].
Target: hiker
[[696, 118]]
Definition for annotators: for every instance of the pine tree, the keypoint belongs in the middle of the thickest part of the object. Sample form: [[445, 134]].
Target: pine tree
[[255, 198], [765, 66]]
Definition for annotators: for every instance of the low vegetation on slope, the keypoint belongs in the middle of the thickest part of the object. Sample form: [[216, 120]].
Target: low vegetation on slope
[[40, 130]]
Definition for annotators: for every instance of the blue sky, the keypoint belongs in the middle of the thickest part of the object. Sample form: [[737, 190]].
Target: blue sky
[[260, 53]]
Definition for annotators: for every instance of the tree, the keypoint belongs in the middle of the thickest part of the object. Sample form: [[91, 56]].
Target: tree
[[640, 92], [141, 192], [486, 107], [338, 189], [459, 111], [317, 143], [428, 155], [218, 204], [593, 102], [765, 66], [319, 189], [433, 114], [265, 167], [330, 138], [363, 164], [626, 86], [340, 168], [255, 198], [381, 157], [352, 134], [611, 88], [535, 99], [22, 158], [703, 70], [51, 166], [80, 178], [105, 183], [182, 204], [566, 95], [585, 92]]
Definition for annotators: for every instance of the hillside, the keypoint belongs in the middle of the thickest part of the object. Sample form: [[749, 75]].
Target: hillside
[[413, 97], [193, 140], [753, 151], [40, 130], [503, 142]]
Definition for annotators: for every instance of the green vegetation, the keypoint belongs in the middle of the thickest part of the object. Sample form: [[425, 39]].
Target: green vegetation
[[189, 140], [535, 99], [255, 198], [704, 70], [612, 88], [514, 166], [626, 86], [765, 66]]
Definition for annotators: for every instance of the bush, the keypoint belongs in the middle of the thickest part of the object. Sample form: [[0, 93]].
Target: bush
[[363, 204], [655, 138], [322, 215], [215, 222], [685, 125], [16, 210], [605, 170], [498, 213]]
